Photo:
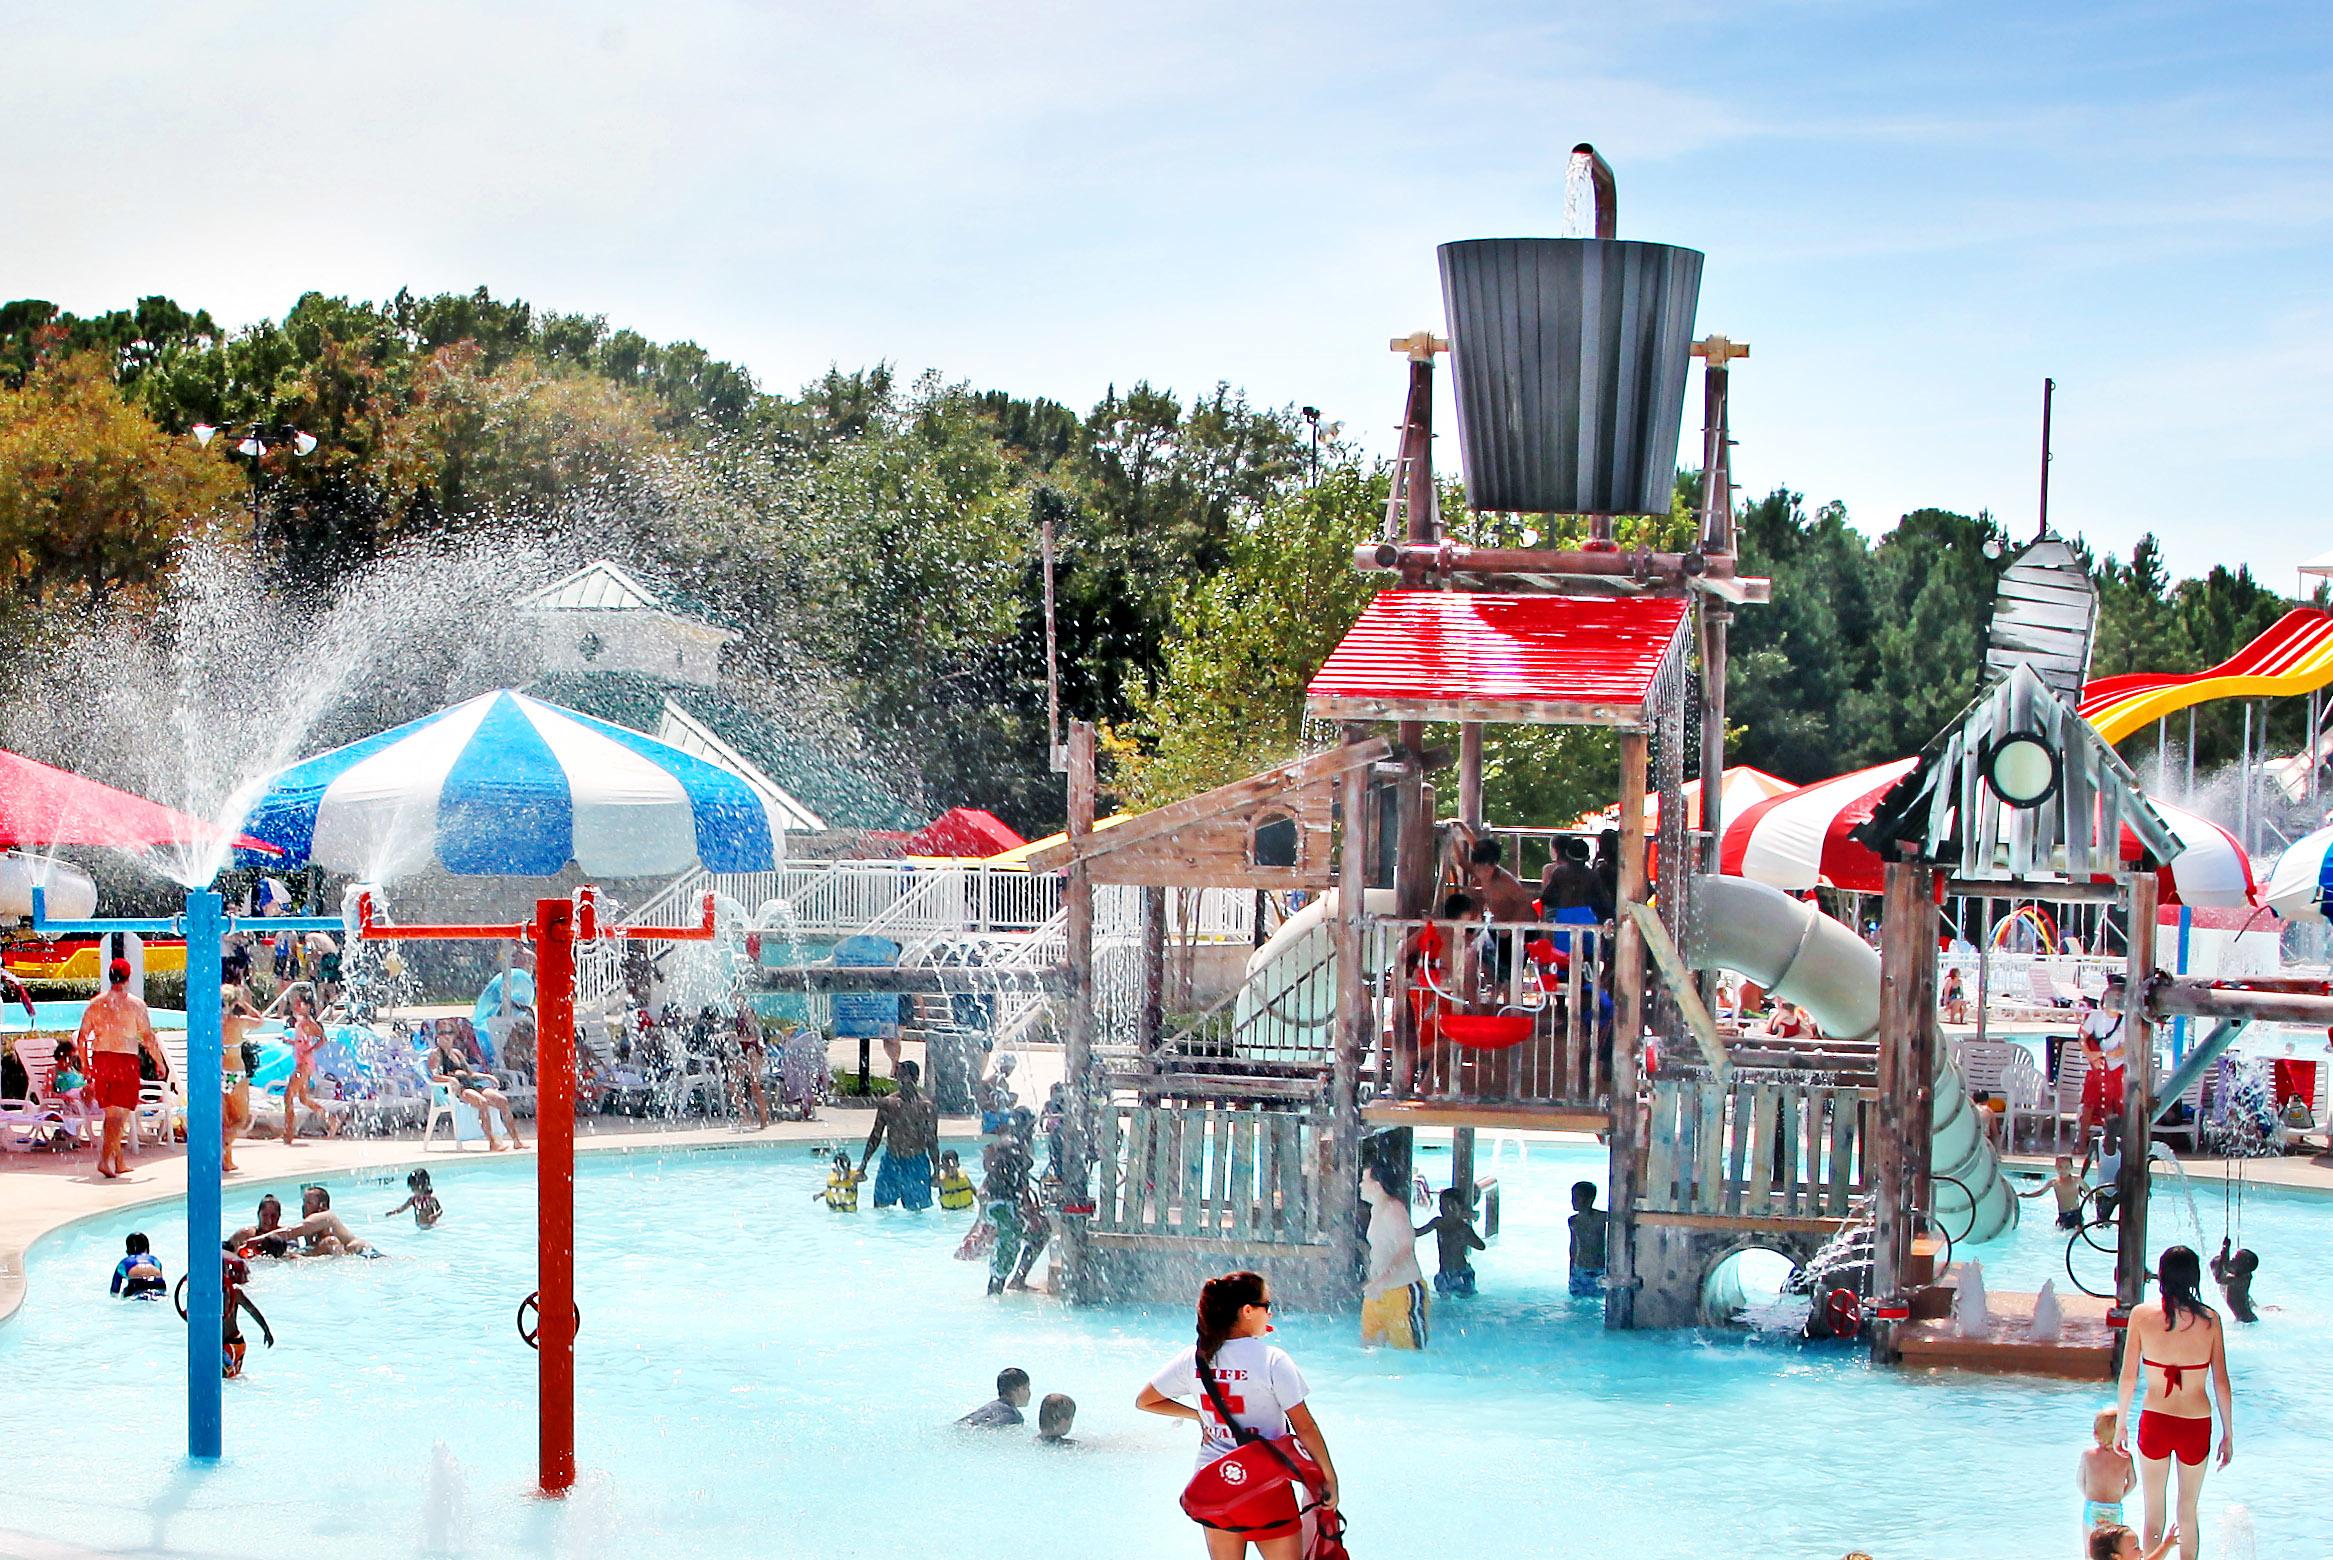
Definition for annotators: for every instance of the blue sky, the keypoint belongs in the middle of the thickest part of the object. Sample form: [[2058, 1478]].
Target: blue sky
[[1913, 212]]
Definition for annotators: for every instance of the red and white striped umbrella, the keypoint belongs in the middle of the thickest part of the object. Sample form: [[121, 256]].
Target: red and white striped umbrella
[[1799, 840]]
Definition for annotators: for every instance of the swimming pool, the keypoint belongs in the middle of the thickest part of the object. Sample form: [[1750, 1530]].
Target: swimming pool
[[760, 1376]]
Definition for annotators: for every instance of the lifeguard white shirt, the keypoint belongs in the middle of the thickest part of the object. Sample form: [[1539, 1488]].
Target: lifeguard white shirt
[[2105, 1028], [1259, 1384]]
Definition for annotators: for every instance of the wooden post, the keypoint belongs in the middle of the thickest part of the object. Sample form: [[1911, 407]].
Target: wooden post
[[1920, 912], [1675, 863], [2138, 1107], [1470, 776], [1077, 904], [1356, 1023], [1625, 1174], [1895, 1138], [1415, 872], [1154, 941]]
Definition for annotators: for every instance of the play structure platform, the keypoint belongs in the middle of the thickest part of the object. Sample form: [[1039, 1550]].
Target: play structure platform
[[2082, 1351]]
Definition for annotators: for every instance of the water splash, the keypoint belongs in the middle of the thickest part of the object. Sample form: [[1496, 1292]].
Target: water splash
[[1579, 196], [592, 1522], [445, 1504], [1971, 1315], [2049, 1314], [2237, 1540]]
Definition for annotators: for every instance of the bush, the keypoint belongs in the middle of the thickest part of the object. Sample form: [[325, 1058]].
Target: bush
[[846, 1084]]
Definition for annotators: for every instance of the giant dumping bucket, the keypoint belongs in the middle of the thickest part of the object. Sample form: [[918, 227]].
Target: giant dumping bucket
[[1568, 357]]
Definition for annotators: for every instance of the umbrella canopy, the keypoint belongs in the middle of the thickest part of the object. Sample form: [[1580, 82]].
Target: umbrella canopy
[[2301, 886], [42, 806], [1744, 788], [508, 786], [1800, 840]]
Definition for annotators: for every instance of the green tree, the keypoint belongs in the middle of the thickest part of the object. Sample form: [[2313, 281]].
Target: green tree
[[92, 494]]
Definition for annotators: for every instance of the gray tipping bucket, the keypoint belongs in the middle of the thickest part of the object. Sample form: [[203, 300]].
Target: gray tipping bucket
[[1568, 356]]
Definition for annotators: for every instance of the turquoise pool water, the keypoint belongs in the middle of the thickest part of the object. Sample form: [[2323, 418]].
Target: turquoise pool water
[[759, 1376]]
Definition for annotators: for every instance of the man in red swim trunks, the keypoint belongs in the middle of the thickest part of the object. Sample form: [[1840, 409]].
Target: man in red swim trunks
[[113, 1027]]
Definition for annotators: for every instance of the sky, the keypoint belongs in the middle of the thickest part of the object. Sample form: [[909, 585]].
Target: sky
[[1912, 212]]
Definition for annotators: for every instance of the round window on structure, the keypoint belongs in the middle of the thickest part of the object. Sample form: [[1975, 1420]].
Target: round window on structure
[[1274, 842], [589, 647]]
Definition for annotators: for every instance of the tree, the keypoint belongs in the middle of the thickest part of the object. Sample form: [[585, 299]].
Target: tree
[[92, 494]]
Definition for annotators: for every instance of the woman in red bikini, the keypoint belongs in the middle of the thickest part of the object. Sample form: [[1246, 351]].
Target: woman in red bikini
[[307, 1038], [2180, 1348]]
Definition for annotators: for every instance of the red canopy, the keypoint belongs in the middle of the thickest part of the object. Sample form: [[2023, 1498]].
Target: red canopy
[[40, 806], [963, 831]]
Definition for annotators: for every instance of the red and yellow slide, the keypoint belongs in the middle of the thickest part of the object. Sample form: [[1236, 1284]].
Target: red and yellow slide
[[2294, 656]]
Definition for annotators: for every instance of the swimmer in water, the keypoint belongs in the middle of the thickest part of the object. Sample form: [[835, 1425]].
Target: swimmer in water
[[841, 1192], [232, 1276], [138, 1276], [423, 1201], [956, 1192], [2233, 1270]]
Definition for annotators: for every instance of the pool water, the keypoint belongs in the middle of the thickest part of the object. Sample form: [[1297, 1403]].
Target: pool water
[[759, 1376]]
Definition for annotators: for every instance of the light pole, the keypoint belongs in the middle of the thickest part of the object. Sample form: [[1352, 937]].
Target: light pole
[[253, 445], [1312, 416]]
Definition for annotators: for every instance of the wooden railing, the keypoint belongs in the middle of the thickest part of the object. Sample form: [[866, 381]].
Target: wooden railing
[[1770, 1147], [1544, 976], [1246, 1177]]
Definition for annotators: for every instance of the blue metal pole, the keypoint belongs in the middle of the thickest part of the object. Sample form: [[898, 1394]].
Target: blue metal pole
[[2179, 1025], [204, 926], [205, 1067]]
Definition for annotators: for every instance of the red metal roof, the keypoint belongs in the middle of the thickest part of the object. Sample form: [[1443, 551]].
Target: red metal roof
[[1458, 655]]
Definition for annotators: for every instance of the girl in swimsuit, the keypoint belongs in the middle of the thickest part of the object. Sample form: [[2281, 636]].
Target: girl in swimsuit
[[236, 1016], [307, 1039], [2181, 1349]]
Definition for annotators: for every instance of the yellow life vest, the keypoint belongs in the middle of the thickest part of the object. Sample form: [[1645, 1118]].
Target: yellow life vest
[[956, 1190], [842, 1191]]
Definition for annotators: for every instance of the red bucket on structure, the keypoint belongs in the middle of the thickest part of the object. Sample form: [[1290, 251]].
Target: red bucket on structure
[[1486, 1031]]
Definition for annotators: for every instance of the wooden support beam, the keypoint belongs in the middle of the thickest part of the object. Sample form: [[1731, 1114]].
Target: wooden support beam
[[1154, 941], [1470, 775], [1899, 1136], [1356, 1030], [2138, 1115], [2189, 997], [1626, 1175], [1679, 976]]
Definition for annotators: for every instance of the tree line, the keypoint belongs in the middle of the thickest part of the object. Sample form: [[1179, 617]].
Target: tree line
[[877, 539]]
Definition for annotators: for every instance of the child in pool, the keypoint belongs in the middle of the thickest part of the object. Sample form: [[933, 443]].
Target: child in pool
[[1588, 1228], [2116, 1542], [2234, 1270], [1454, 1240], [232, 1273], [138, 1276], [2105, 1476], [2066, 1182], [841, 1192], [427, 1210], [955, 1186]]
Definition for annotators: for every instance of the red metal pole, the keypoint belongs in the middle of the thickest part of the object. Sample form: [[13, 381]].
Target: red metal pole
[[555, 1186]]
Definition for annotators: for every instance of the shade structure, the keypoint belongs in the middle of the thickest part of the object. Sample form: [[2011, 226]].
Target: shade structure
[[42, 805], [1745, 787], [1800, 840], [2301, 885], [504, 785]]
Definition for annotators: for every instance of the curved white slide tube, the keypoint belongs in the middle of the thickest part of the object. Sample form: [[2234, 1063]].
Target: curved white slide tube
[[1802, 956]]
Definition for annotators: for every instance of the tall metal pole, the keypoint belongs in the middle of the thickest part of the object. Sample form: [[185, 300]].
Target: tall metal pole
[[1055, 754], [2048, 391], [205, 1147], [555, 1191], [1077, 911]]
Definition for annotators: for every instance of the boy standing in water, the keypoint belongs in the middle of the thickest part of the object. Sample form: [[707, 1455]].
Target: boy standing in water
[[231, 1346], [1393, 1297], [2106, 1475], [1588, 1228], [1454, 1240], [2067, 1184]]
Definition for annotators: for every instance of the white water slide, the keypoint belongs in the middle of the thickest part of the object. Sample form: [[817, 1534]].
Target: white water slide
[[1791, 949], [1800, 955]]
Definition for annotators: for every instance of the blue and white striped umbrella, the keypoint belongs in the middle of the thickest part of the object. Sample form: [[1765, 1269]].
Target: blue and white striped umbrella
[[508, 786], [2301, 887]]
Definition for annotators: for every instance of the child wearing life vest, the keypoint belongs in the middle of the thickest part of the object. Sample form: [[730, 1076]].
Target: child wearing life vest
[[841, 1192], [955, 1186]]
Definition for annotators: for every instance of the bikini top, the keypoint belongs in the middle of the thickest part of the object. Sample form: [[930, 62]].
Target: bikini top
[[2173, 1375]]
